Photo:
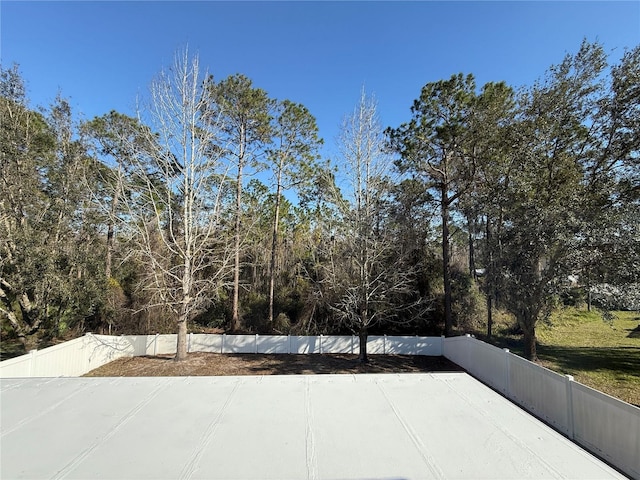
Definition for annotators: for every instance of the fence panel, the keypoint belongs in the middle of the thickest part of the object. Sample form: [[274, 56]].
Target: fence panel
[[455, 349], [239, 344], [102, 349], [431, 346], [141, 344], [489, 364], [340, 344], [202, 342], [305, 344], [165, 344], [17, 367], [273, 344], [69, 359], [404, 345], [539, 390], [66, 359], [608, 427], [376, 345]]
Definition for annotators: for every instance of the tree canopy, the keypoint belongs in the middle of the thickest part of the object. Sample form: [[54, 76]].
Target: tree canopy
[[213, 209]]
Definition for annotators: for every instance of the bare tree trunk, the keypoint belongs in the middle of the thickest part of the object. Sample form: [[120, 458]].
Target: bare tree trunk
[[181, 345], [489, 316], [489, 280], [362, 335], [589, 299], [107, 269], [235, 318], [274, 242], [446, 267], [111, 227], [472, 257]]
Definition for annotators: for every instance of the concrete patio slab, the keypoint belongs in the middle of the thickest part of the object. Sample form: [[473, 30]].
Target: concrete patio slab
[[408, 426]]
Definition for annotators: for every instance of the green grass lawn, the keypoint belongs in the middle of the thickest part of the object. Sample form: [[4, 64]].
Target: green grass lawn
[[604, 355]]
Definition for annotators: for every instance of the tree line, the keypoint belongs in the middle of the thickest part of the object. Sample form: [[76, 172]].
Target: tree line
[[212, 207]]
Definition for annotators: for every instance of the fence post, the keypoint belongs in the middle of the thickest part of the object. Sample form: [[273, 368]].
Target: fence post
[[384, 344], [442, 346], [256, 346], [352, 338], [468, 349], [320, 343], [224, 336], [570, 427], [32, 361], [289, 352], [155, 344], [507, 373], [89, 341], [189, 342]]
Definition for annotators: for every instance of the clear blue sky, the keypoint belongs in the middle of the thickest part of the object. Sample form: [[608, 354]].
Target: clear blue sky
[[102, 54]]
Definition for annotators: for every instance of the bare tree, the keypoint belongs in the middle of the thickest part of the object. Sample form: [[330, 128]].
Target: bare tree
[[368, 286], [175, 212]]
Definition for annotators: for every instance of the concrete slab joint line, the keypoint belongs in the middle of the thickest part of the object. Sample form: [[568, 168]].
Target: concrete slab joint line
[[192, 465], [43, 412], [69, 467], [422, 449], [312, 464]]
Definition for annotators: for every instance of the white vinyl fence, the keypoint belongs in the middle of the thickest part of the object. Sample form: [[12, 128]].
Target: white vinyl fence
[[81, 355], [71, 359], [604, 425]]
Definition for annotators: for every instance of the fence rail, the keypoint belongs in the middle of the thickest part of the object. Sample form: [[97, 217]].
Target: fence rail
[[606, 426]]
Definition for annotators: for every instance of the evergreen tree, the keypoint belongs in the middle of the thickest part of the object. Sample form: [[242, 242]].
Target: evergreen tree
[[243, 112], [293, 158], [434, 147]]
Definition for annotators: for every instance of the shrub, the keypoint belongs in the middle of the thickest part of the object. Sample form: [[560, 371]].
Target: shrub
[[616, 297]]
